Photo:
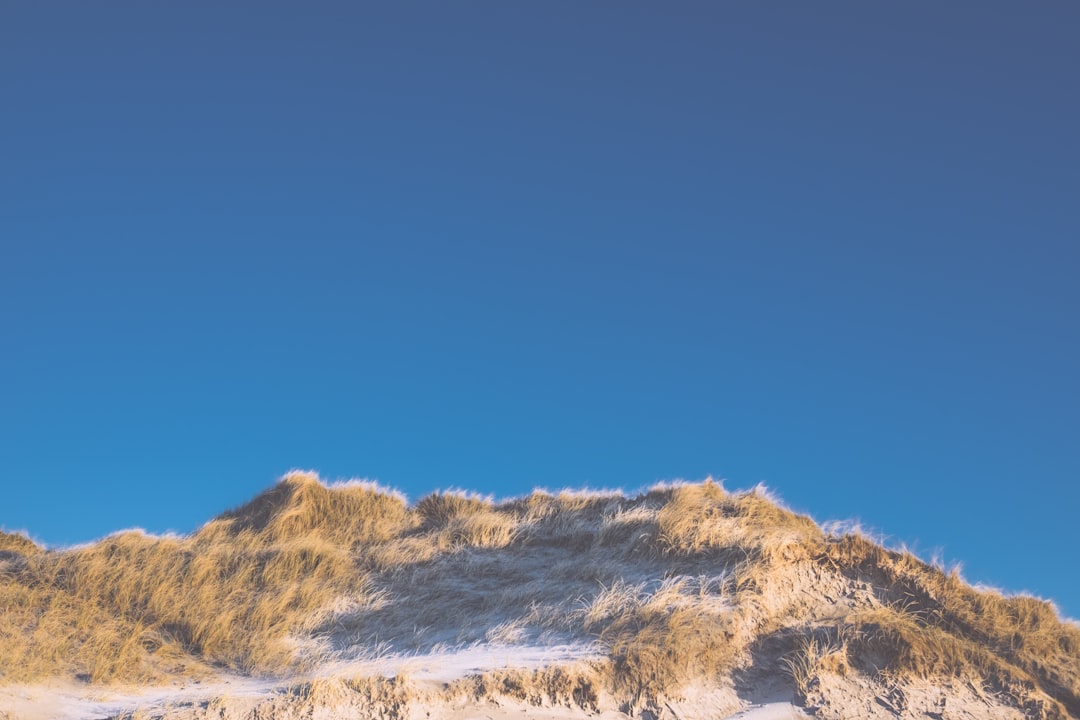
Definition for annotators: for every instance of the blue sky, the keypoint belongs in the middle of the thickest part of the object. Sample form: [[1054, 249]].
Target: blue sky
[[832, 248]]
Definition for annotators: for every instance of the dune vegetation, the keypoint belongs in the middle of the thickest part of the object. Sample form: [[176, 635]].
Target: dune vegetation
[[681, 587]]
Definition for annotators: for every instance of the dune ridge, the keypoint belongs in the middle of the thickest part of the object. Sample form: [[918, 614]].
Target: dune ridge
[[683, 601]]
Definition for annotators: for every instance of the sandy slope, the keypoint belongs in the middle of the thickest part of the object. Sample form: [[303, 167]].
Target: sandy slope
[[69, 701], [683, 603]]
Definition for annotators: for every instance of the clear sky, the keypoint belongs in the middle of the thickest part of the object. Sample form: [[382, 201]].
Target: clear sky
[[832, 247]]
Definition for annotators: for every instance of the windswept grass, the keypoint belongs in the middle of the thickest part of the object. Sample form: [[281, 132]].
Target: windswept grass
[[15, 543], [682, 586], [454, 520], [704, 518], [140, 608], [572, 686], [301, 507], [931, 623], [816, 654]]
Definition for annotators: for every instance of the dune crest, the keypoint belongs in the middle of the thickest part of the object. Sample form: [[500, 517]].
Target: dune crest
[[685, 601]]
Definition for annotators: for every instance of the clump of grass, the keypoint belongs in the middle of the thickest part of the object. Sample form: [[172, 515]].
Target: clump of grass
[[633, 529], [300, 506], [933, 623], [456, 519], [655, 655], [814, 655], [368, 697], [578, 685], [17, 543], [442, 508], [704, 518], [14, 553], [663, 639]]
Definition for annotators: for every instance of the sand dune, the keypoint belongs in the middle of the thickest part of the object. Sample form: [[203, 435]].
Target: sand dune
[[683, 602]]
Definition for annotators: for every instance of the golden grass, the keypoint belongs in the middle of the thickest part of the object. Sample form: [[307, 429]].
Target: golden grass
[[681, 586], [300, 506], [15, 543], [934, 623], [141, 608], [704, 518], [815, 655], [572, 686], [657, 652], [455, 520]]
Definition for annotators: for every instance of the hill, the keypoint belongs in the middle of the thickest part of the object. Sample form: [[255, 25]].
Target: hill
[[685, 601]]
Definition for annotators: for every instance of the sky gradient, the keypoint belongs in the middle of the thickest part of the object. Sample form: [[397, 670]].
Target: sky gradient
[[831, 248]]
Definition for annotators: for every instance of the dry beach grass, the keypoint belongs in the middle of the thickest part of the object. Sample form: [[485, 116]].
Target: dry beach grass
[[677, 589]]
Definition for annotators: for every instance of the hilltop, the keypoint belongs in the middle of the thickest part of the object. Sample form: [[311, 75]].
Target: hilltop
[[685, 601]]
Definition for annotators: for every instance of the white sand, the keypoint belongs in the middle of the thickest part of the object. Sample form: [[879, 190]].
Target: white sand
[[69, 701]]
